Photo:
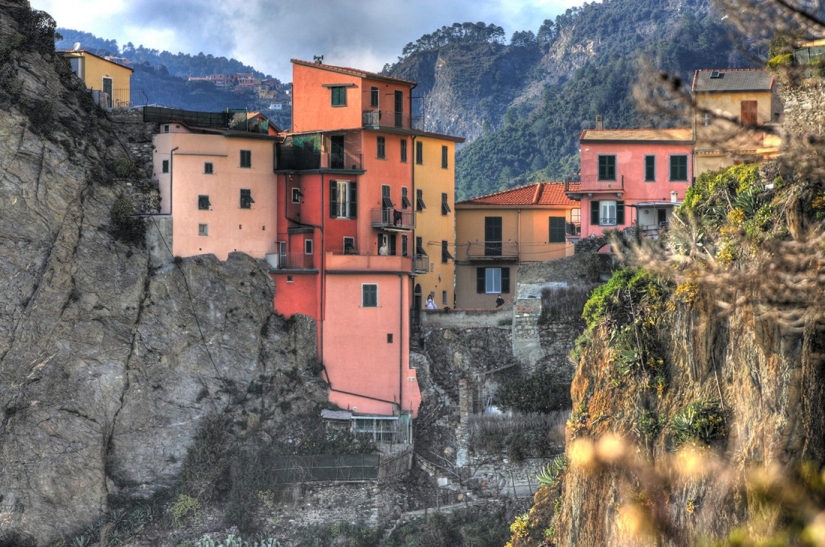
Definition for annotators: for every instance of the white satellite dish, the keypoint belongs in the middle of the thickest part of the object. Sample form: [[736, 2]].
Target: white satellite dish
[[76, 46]]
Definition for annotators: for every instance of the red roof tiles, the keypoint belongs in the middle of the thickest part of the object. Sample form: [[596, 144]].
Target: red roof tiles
[[538, 194]]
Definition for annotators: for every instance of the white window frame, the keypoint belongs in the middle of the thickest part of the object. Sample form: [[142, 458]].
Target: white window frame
[[203, 229], [607, 213], [307, 246], [296, 195], [342, 187], [492, 280]]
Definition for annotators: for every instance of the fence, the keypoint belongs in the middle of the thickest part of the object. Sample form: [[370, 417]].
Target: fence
[[326, 467]]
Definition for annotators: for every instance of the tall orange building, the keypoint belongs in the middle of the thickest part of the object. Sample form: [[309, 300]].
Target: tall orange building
[[347, 249]]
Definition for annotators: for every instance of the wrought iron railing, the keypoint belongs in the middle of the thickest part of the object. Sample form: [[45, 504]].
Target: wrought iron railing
[[391, 218], [492, 250], [388, 118], [296, 261], [591, 183]]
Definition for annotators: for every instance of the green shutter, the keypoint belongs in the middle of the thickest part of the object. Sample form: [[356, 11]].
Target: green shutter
[[481, 281], [594, 213], [557, 230], [505, 280], [353, 200], [619, 212], [333, 199]]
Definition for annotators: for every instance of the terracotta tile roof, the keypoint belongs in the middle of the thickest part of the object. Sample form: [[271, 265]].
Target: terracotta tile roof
[[353, 72], [536, 194], [681, 134], [731, 79]]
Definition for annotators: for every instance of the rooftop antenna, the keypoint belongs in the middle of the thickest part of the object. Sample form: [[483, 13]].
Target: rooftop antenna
[[76, 46], [319, 59]]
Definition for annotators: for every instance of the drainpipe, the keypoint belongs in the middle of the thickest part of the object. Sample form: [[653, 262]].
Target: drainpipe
[[171, 175], [400, 344], [323, 281]]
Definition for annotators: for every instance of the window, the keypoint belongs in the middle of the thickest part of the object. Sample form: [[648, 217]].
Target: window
[[557, 230], [492, 280], [404, 151], [405, 246], [389, 338], [208, 168], [650, 168], [381, 148], [419, 246], [246, 199], [706, 119], [246, 158], [349, 246], [419, 200], [386, 245], [296, 195], [493, 235], [419, 153], [444, 297], [165, 127], [369, 295], [444, 158], [165, 166], [342, 199], [339, 95], [678, 168], [445, 205], [307, 246], [576, 216], [405, 201], [606, 213], [445, 253], [607, 167], [386, 202], [203, 229], [203, 203], [374, 97]]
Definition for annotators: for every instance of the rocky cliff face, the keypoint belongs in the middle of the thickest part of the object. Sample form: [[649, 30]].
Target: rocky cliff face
[[108, 361]]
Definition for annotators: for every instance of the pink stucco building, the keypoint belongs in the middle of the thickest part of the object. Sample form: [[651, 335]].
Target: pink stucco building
[[218, 187], [632, 177]]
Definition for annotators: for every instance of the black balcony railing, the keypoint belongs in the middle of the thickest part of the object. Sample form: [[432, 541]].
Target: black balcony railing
[[296, 261], [374, 119], [591, 183], [392, 219], [297, 158], [492, 250]]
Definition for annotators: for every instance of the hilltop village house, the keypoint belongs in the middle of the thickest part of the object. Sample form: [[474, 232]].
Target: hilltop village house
[[741, 95], [109, 81], [631, 177], [497, 232]]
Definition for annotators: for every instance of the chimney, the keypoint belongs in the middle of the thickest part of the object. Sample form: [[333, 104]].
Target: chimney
[[599, 122], [673, 197]]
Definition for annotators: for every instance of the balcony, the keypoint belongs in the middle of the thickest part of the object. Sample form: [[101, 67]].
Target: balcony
[[387, 119], [293, 261], [590, 184], [392, 220], [421, 264], [367, 263], [492, 251], [297, 158]]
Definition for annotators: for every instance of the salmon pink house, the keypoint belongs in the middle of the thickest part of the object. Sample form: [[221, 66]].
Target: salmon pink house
[[346, 249], [632, 177]]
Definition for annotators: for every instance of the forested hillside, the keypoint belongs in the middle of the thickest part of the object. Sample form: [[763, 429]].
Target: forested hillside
[[522, 106]]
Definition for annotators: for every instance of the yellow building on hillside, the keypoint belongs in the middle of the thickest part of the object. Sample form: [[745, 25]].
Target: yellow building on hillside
[[748, 96], [111, 81], [433, 200], [496, 232]]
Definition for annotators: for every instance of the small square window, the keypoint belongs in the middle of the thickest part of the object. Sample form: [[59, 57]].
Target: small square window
[[165, 166], [339, 95], [246, 199], [290, 279], [203, 203], [207, 168], [166, 128], [389, 338], [296, 195], [203, 229], [349, 246], [307, 246], [369, 295], [246, 158]]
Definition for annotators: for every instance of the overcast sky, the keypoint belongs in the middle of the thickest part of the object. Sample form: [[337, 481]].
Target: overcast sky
[[266, 34]]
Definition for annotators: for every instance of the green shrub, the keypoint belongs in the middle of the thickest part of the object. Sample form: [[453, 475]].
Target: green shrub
[[700, 421], [186, 509], [623, 298], [126, 227], [552, 470], [541, 392], [206, 459], [563, 304]]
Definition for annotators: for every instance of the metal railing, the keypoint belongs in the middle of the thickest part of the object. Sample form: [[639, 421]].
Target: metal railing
[[296, 261], [572, 228], [297, 158], [492, 250], [390, 218], [591, 183], [373, 119]]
